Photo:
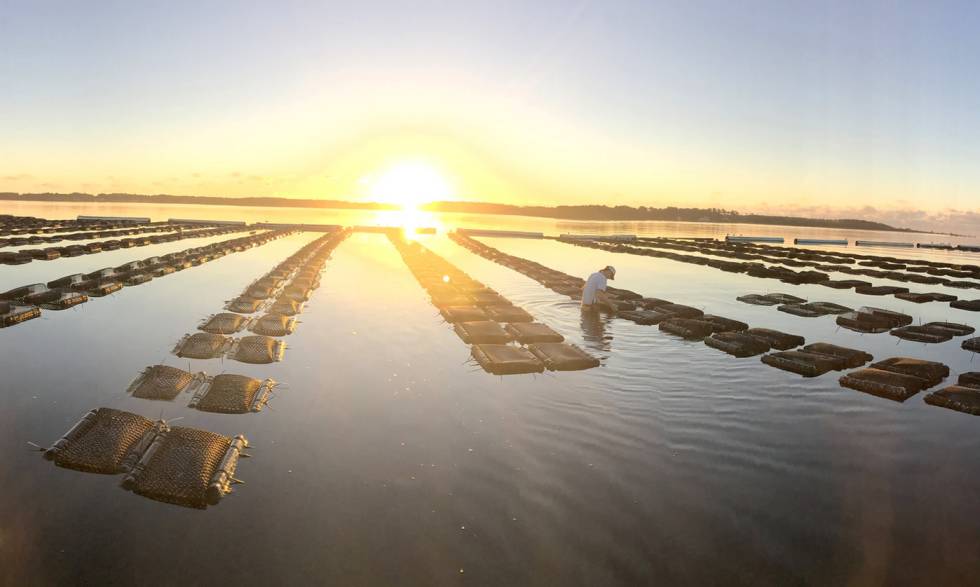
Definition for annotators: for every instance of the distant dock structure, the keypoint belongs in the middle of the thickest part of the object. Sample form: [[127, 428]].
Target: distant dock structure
[[820, 241], [215, 222], [598, 237], [754, 239], [489, 232], [885, 244], [298, 226]]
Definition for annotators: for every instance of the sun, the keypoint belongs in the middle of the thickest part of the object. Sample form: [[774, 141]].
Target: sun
[[408, 184]]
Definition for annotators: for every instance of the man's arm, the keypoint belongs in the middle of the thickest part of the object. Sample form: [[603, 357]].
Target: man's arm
[[602, 298]]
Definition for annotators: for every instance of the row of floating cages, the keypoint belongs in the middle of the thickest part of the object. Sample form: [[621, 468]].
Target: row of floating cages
[[127, 219], [844, 242], [214, 222], [298, 226], [389, 229], [507, 233], [598, 237]]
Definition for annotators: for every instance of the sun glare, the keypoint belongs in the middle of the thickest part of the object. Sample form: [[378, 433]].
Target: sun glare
[[409, 184]]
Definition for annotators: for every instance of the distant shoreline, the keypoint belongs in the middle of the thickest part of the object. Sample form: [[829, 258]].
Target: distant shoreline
[[582, 213]]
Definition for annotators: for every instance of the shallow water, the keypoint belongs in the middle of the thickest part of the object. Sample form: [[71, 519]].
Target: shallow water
[[388, 457]]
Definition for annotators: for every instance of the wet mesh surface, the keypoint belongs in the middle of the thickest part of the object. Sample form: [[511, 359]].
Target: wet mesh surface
[[244, 306], [484, 332], [224, 323], [286, 307], [929, 371], [257, 349], [103, 442], [501, 359], [957, 397], [528, 332], [274, 325], [463, 314], [738, 344], [230, 394], [181, 469], [202, 345], [508, 314], [887, 384], [560, 356], [161, 382], [687, 327], [803, 363]]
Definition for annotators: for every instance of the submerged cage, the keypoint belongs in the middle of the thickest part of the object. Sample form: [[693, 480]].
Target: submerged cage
[[482, 332], [924, 334], [257, 349], [103, 441], [224, 323], [688, 328], [202, 345], [233, 394], [510, 314], [644, 317], [286, 307], [183, 466], [962, 398], [887, 384], [530, 332], [162, 382], [737, 344], [502, 359], [851, 358], [804, 363], [187, 467], [11, 314], [244, 305], [560, 356], [274, 325], [931, 372], [455, 314]]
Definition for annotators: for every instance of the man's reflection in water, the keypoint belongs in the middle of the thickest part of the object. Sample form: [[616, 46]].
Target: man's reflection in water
[[594, 329]]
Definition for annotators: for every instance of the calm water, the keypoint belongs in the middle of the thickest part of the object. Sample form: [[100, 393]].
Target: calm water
[[388, 458]]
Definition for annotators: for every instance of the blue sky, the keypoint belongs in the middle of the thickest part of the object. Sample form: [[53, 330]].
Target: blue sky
[[751, 105]]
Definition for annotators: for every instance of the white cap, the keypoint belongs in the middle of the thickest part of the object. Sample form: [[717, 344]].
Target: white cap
[[612, 270]]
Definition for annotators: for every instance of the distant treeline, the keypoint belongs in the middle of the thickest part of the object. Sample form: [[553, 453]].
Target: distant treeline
[[630, 213], [269, 202], [595, 213]]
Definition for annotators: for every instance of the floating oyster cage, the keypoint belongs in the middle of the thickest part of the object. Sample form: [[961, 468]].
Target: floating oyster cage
[[232, 394], [162, 382], [11, 314], [241, 350], [220, 350], [225, 323], [182, 466]]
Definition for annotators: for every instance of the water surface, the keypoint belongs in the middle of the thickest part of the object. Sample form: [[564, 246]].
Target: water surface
[[387, 457]]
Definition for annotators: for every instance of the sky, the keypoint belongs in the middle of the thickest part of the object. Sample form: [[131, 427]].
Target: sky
[[865, 109]]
